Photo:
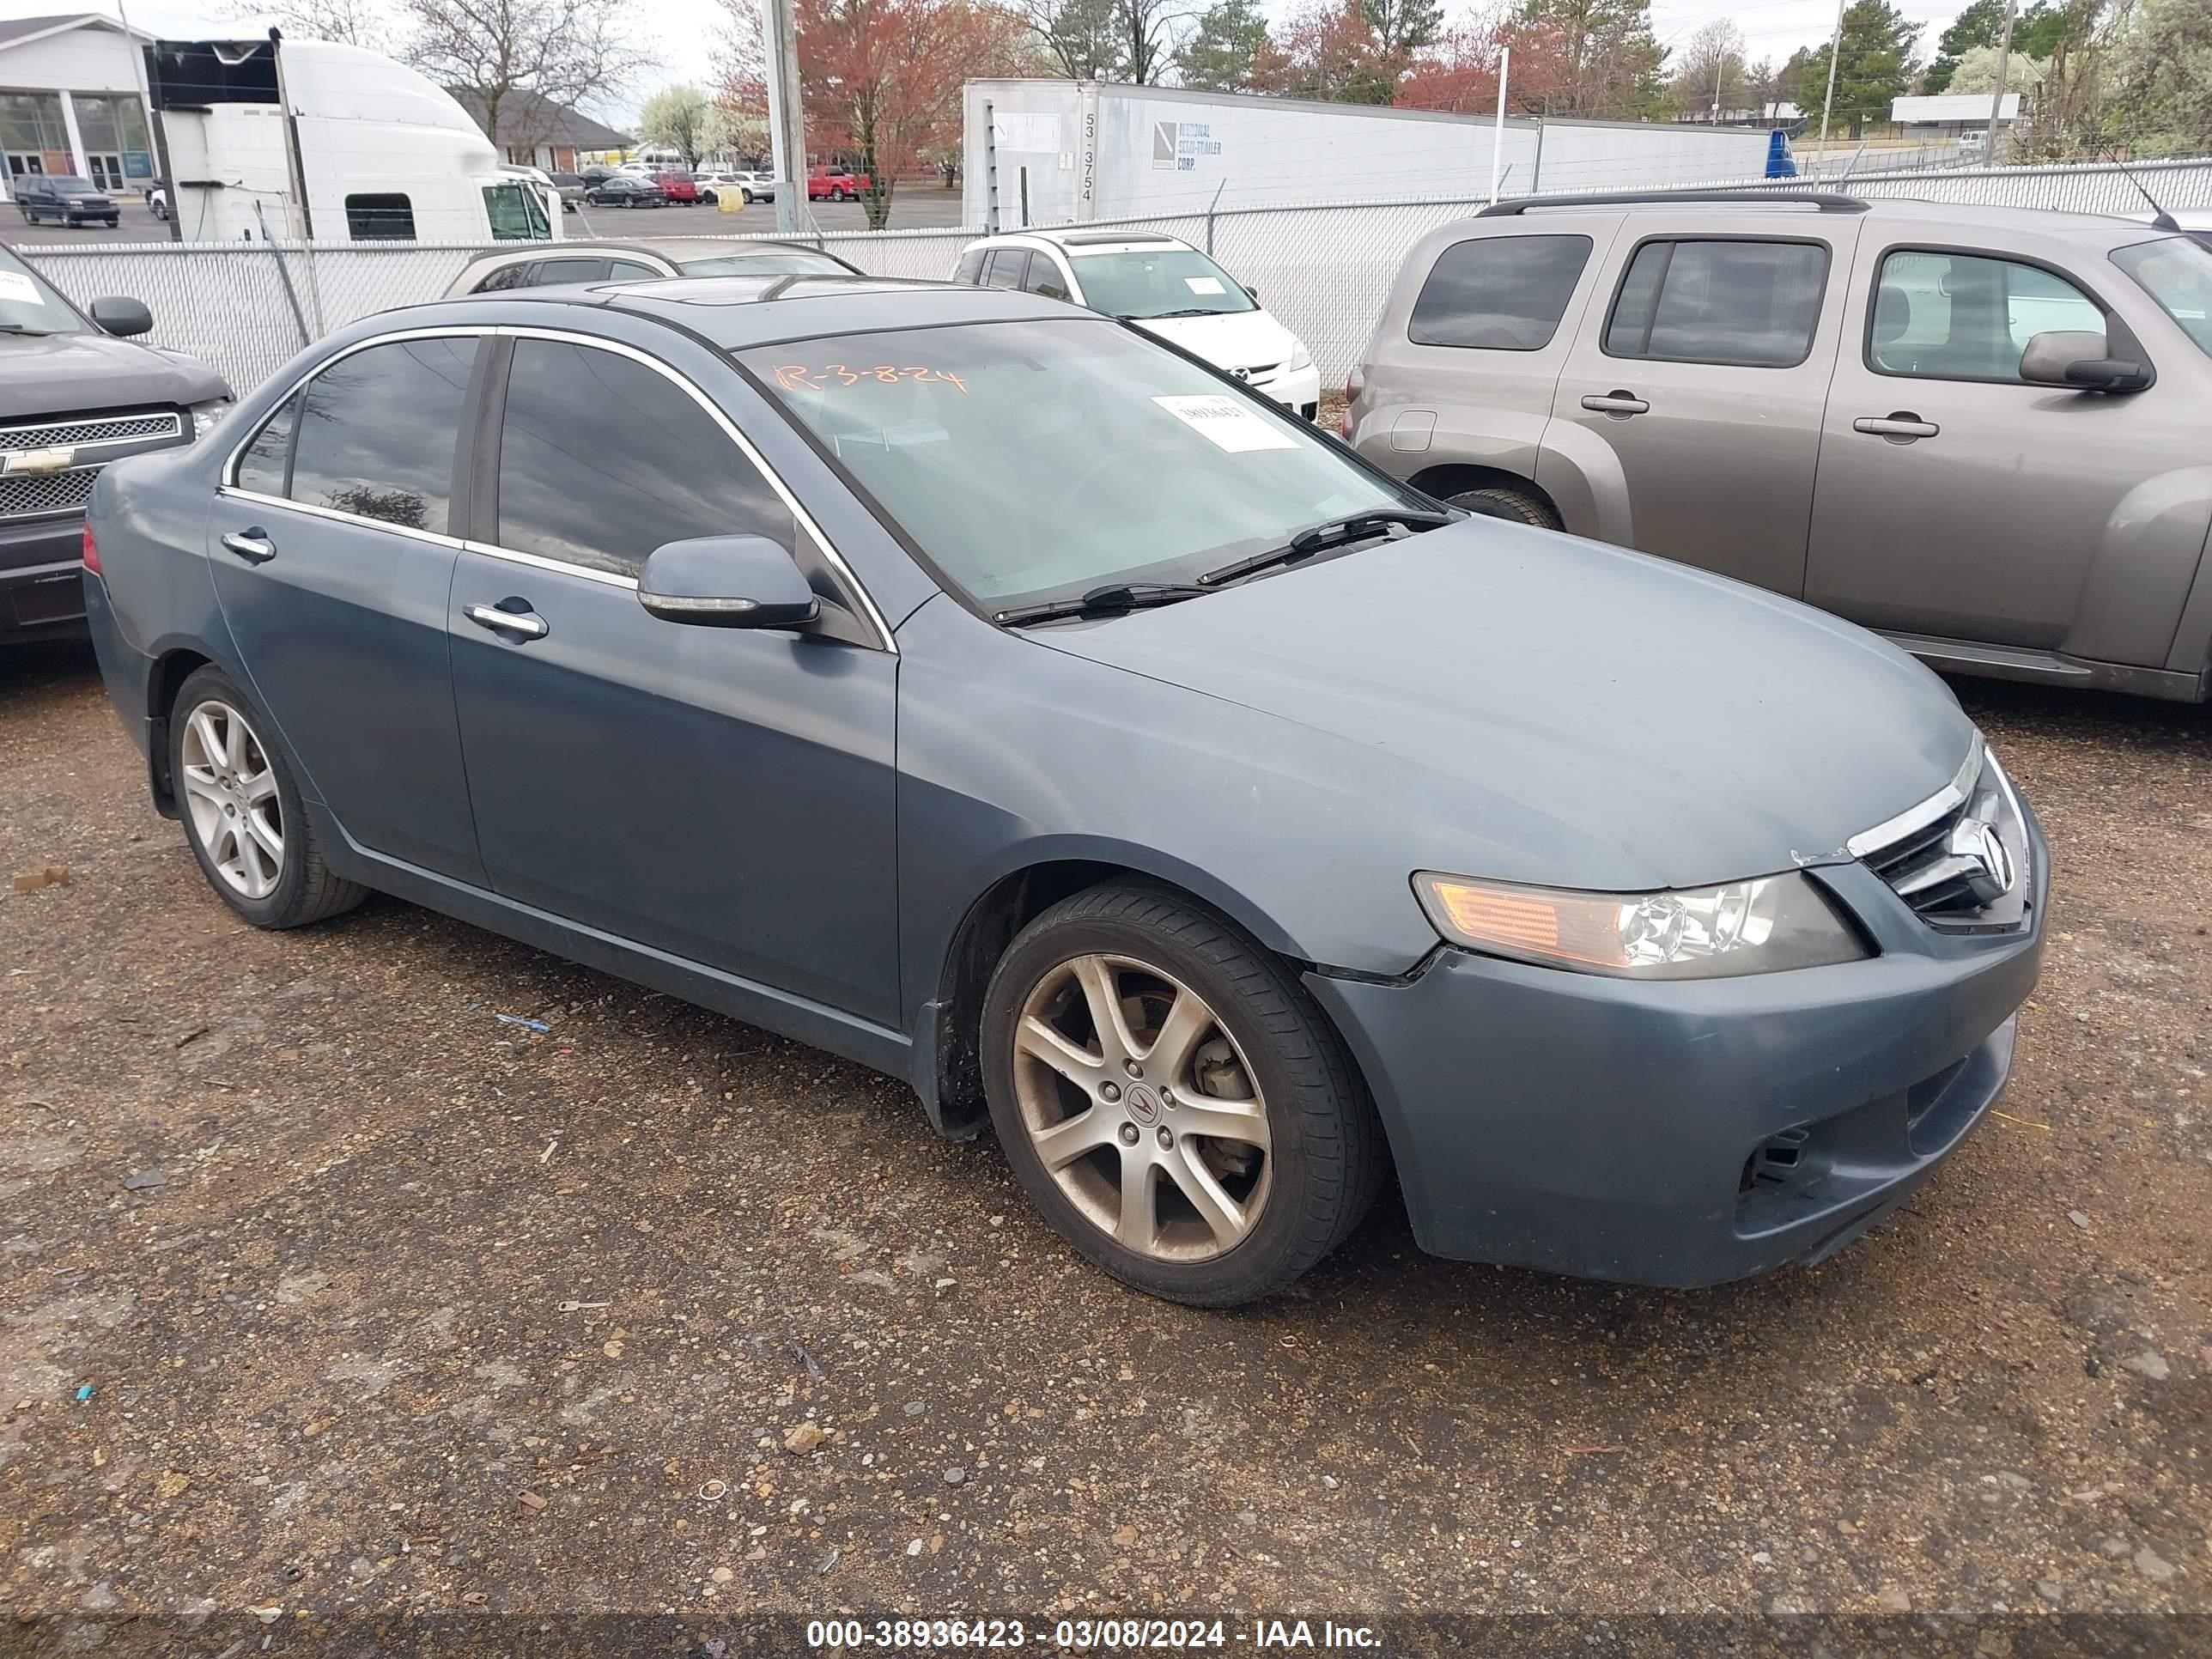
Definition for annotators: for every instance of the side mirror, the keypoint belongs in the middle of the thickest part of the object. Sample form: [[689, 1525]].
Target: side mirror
[[726, 581], [2075, 358], [1252, 294], [122, 317]]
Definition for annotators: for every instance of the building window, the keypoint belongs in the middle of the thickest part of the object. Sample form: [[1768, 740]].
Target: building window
[[113, 127], [31, 133], [380, 218]]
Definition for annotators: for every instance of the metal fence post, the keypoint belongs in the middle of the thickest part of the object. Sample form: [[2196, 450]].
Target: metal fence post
[[1210, 207], [283, 274], [990, 173]]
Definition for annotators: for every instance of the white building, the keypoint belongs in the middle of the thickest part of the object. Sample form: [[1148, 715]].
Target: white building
[[1948, 115], [1077, 151], [71, 100]]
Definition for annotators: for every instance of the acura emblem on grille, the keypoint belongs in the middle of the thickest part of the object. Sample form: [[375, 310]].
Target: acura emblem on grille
[[1973, 841]]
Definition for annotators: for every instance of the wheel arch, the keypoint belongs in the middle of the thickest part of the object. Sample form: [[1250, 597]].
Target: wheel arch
[[171, 668], [949, 1073], [1451, 478]]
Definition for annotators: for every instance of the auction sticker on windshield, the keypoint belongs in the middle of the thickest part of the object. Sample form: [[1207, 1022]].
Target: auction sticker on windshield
[[14, 285], [1230, 425]]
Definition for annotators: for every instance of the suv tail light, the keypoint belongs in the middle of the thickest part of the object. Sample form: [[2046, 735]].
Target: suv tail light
[[91, 552], [1354, 384]]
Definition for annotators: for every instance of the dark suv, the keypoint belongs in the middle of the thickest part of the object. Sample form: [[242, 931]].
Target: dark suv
[[75, 396], [65, 197]]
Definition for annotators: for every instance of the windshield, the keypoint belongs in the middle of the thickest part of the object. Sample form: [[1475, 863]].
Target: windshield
[[28, 306], [784, 262], [1166, 282], [69, 181], [1032, 461], [2177, 272]]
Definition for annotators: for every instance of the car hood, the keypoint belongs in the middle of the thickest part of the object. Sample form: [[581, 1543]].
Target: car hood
[[1230, 340], [71, 374], [1559, 711]]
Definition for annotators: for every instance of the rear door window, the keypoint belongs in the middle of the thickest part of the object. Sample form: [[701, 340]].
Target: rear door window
[[566, 494], [516, 275], [971, 266], [1755, 305], [378, 429], [1498, 293]]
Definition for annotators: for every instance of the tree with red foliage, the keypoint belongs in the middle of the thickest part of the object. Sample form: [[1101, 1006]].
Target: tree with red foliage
[[880, 79]]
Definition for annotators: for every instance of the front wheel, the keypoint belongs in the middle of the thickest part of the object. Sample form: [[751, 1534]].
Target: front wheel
[[1501, 501], [242, 810], [1171, 1099]]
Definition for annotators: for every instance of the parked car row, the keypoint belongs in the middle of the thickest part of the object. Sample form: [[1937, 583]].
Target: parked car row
[[1224, 810]]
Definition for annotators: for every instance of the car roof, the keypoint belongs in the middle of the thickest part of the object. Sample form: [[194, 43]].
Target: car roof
[[673, 250], [1076, 240], [2002, 226], [734, 312]]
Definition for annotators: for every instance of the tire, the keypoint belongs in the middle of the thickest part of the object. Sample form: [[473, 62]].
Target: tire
[[1501, 502], [1294, 1193], [300, 889], [114, 222]]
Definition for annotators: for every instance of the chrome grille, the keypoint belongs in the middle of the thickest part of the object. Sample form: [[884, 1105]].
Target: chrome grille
[[29, 494], [1959, 858], [117, 430]]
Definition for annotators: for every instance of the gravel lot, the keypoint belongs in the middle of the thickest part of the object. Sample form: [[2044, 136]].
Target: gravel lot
[[323, 1290]]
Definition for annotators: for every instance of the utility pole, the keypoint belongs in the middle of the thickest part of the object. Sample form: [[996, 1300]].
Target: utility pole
[[1498, 133], [1828, 103], [786, 114], [1996, 98], [1719, 64]]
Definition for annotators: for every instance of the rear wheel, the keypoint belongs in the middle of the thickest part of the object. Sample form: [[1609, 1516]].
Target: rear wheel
[[242, 810], [1171, 1099], [1503, 501]]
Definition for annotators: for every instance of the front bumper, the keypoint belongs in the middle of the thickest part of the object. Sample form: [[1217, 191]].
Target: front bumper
[[1690, 1132], [1298, 391], [41, 571]]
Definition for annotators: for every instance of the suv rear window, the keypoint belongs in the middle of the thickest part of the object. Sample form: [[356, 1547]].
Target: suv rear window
[[1751, 304], [1498, 293]]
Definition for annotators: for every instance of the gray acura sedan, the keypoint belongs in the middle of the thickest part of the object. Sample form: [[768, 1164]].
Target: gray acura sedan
[[974, 687]]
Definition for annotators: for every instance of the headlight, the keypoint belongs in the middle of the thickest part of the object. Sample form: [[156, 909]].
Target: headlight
[[207, 415], [1756, 926], [1300, 358]]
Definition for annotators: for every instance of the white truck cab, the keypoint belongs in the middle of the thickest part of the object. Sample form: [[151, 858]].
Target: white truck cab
[[385, 154]]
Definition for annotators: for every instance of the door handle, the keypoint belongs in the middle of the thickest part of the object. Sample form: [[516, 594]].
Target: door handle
[[252, 545], [1900, 427], [527, 623], [1616, 402]]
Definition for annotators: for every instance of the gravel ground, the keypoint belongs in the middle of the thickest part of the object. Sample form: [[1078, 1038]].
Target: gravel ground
[[322, 1290]]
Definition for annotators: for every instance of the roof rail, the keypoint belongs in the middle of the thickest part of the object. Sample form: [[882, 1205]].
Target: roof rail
[[1825, 201]]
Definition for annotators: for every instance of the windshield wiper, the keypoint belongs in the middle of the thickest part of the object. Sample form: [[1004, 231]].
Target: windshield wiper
[[1111, 600], [1321, 537], [25, 328], [1187, 311]]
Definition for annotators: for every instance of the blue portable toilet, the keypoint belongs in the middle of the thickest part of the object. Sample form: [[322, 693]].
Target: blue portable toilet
[[1778, 164]]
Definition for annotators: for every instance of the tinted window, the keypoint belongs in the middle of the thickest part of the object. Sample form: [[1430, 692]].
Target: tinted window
[[1754, 304], [380, 218], [514, 276], [1008, 267], [266, 463], [1044, 278], [2177, 272], [1958, 317], [628, 270], [566, 493], [377, 431], [1498, 293], [788, 262], [971, 266], [547, 272]]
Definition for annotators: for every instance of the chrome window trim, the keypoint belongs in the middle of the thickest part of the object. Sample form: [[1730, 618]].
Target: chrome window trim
[[1919, 815], [229, 486], [233, 492], [805, 519], [229, 476]]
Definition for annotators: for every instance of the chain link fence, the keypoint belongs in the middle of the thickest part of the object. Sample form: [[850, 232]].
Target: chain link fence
[[1322, 269]]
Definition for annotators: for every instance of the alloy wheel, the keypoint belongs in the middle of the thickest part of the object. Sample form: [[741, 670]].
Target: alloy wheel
[[230, 789], [1142, 1109]]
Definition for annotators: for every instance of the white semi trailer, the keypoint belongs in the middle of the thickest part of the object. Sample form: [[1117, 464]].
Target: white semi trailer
[[1076, 151]]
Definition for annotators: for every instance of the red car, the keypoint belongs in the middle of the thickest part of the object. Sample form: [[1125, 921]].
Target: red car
[[677, 186], [836, 185]]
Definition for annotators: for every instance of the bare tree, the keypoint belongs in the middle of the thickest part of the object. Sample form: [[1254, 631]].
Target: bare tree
[[1710, 73], [518, 58], [352, 22]]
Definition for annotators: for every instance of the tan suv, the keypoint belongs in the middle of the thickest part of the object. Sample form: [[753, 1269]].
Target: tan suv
[[1981, 431]]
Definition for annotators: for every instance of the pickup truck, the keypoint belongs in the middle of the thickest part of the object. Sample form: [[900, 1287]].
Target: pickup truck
[[836, 185]]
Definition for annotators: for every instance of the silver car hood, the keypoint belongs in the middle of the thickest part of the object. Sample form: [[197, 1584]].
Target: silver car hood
[[1559, 711]]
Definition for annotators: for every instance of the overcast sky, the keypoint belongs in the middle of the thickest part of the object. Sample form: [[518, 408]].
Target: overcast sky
[[684, 32]]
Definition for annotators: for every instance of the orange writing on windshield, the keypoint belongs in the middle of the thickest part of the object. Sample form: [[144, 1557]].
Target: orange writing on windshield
[[797, 377]]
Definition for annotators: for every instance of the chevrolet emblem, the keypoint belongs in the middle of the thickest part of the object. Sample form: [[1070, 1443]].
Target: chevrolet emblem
[[55, 459]]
